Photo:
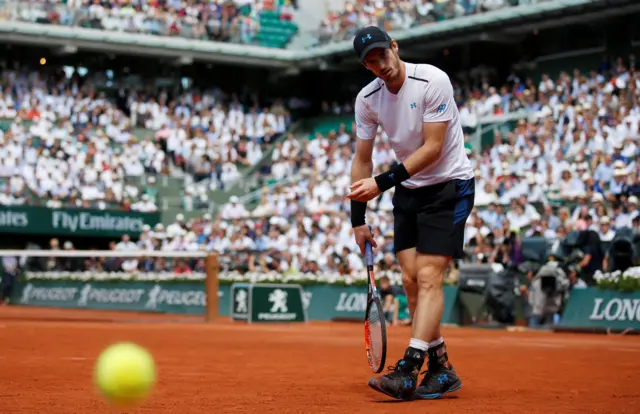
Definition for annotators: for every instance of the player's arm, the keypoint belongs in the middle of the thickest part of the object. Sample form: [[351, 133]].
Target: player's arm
[[433, 134], [439, 109], [362, 164]]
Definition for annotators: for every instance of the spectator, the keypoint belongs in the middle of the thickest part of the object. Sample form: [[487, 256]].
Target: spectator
[[234, 209], [8, 275], [394, 303]]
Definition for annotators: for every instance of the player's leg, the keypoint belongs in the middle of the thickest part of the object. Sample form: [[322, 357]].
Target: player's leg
[[440, 378], [431, 268], [440, 237], [407, 260], [402, 381]]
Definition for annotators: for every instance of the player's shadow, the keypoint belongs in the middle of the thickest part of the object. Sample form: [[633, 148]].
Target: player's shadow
[[381, 399], [390, 401]]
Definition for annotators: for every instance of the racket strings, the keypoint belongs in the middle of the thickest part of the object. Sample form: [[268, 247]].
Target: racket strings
[[375, 334]]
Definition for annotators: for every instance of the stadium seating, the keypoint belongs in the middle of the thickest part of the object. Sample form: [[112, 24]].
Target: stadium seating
[[268, 24], [537, 203], [398, 15], [542, 170], [275, 32], [241, 22], [136, 152]]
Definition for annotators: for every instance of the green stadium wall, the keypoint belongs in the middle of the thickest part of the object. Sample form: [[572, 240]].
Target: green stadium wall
[[322, 302]]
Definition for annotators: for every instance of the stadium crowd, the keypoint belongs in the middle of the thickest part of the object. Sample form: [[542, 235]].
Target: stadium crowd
[[342, 24], [63, 143], [570, 165], [234, 21], [238, 21]]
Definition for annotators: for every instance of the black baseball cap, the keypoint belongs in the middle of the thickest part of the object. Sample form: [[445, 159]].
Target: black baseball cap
[[369, 38]]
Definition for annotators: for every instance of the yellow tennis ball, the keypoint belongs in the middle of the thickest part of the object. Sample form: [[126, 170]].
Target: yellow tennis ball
[[125, 374]]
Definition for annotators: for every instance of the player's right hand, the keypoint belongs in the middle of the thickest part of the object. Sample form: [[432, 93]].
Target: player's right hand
[[362, 234]]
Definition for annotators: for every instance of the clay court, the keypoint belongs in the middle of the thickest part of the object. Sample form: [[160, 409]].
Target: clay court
[[47, 356]]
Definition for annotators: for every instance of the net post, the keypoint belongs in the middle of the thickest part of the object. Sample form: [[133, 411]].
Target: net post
[[211, 288]]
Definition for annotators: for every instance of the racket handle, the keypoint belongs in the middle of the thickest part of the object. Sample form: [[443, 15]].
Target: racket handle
[[368, 251]]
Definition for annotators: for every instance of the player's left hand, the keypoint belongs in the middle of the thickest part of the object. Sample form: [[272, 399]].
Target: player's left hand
[[364, 190]]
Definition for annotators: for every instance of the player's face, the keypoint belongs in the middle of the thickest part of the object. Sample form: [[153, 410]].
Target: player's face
[[384, 63]]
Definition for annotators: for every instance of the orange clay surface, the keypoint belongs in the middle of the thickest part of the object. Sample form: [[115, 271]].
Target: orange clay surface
[[47, 357]]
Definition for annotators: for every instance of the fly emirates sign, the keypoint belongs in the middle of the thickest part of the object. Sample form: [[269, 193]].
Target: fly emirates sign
[[71, 221]]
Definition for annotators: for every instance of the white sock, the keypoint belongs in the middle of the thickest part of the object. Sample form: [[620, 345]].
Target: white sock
[[436, 342], [419, 344]]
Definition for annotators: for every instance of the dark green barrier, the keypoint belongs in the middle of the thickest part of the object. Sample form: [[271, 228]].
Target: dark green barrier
[[602, 309], [322, 302], [169, 297], [73, 222]]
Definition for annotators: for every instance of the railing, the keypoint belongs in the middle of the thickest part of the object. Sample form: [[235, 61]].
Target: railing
[[178, 202], [257, 194], [494, 123], [141, 261]]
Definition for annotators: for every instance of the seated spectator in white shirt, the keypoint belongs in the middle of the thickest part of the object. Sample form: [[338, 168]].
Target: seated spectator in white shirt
[[534, 191], [621, 218], [145, 205], [616, 185], [264, 208], [126, 244], [518, 218], [234, 210], [569, 187], [605, 231], [486, 195]]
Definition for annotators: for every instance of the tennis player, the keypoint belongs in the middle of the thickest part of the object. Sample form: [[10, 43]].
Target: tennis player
[[434, 193]]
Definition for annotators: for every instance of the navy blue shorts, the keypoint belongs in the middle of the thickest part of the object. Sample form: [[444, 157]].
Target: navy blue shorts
[[432, 218]]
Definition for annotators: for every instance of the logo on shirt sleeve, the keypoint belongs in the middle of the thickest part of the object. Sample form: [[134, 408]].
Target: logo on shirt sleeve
[[414, 105], [441, 108]]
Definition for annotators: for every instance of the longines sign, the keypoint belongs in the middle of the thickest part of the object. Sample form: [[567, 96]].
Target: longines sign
[[606, 309]]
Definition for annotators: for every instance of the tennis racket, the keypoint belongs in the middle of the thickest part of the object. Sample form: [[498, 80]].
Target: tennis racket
[[375, 330]]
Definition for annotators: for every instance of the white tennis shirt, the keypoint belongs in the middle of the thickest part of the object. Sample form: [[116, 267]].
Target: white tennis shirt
[[425, 96]]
